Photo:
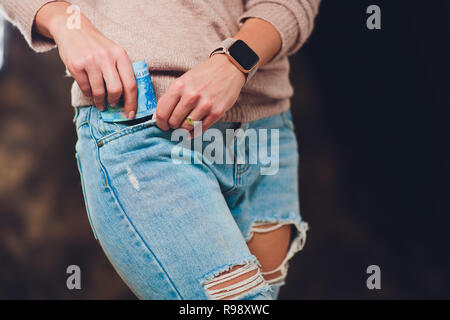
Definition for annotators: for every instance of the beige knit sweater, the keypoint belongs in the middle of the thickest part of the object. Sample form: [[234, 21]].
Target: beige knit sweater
[[175, 35]]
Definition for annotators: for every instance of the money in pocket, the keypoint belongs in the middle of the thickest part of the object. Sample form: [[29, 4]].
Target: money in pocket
[[146, 99]]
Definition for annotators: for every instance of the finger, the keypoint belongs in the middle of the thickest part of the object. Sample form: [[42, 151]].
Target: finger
[[97, 87], [129, 85], [187, 103], [112, 81], [203, 109], [167, 104], [83, 82], [211, 119]]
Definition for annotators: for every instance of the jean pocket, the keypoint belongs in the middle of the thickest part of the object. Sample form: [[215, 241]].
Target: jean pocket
[[105, 131], [106, 128]]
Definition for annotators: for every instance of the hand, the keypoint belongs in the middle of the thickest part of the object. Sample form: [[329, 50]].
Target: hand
[[91, 58], [205, 93]]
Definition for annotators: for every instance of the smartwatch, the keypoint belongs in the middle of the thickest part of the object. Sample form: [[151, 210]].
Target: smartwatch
[[240, 54]]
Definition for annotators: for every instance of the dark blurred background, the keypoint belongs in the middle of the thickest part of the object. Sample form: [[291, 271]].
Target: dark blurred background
[[371, 111]]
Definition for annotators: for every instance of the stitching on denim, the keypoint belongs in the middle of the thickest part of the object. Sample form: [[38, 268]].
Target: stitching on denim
[[120, 207], [287, 122], [122, 210], [82, 124], [75, 116], [242, 169], [81, 118], [126, 131], [84, 194], [239, 177], [91, 132], [102, 126], [234, 186]]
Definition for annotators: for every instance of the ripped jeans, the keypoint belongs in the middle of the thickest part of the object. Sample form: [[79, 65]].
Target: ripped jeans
[[172, 229]]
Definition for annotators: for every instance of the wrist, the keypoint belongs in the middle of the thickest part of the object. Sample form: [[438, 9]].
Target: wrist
[[241, 55], [51, 18], [224, 62]]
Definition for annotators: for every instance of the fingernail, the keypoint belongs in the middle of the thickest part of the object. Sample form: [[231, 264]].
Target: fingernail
[[154, 116], [131, 115]]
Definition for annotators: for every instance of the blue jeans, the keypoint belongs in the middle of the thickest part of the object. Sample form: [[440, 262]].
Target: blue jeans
[[171, 229]]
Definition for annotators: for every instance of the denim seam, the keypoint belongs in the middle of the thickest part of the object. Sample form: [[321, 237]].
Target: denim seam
[[120, 207], [229, 190], [234, 187], [236, 177], [238, 174], [75, 116], [287, 122], [102, 126], [125, 131], [242, 170], [239, 177], [122, 210], [82, 124], [244, 167], [84, 194]]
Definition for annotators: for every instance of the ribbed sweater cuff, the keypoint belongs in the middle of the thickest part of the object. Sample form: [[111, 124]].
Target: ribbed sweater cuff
[[291, 20], [21, 14]]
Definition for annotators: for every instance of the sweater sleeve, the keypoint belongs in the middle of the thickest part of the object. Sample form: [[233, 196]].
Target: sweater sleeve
[[21, 13], [294, 20]]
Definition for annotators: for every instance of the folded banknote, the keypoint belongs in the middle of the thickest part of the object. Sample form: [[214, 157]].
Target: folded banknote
[[146, 99]]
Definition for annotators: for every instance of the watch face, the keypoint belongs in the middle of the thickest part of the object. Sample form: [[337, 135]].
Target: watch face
[[243, 54]]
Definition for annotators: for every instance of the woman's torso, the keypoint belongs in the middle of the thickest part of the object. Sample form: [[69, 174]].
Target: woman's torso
[[174, 36]]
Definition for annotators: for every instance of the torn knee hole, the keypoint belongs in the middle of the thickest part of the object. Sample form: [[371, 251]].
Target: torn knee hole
[[276, 275], [235, 282], [298, 240], [266, 227]]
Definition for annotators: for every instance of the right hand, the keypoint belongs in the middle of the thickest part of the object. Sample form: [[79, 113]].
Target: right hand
[[92, 59]]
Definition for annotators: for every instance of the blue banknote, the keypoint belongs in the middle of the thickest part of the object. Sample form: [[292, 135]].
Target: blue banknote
[[146, 99]]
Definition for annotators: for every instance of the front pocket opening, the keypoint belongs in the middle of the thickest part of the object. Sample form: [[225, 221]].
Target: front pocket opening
[[125, 131]]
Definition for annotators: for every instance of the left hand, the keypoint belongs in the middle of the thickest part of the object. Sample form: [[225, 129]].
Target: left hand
[[205, 93]]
